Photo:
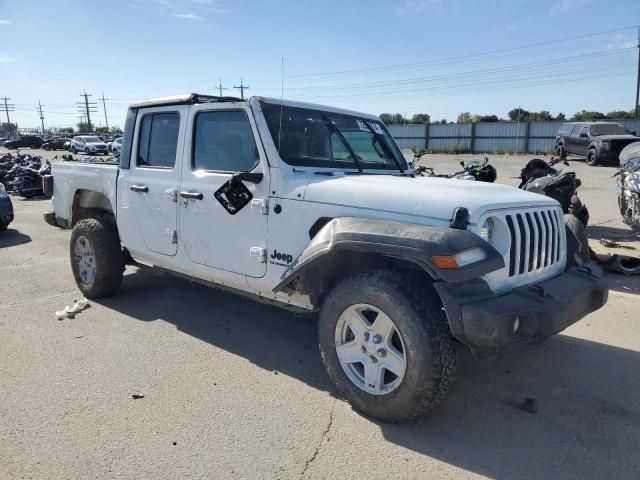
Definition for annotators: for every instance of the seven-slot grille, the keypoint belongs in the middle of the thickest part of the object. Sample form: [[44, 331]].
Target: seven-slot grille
[[537, 241]]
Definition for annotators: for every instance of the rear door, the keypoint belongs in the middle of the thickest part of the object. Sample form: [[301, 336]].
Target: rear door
[[222, 140], [147, 203]]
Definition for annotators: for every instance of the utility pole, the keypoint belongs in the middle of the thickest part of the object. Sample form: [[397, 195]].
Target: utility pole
[[87, 107], [8, 107], [637, 113], [41, 116], [242, 88], [104, 107], [220, 86]]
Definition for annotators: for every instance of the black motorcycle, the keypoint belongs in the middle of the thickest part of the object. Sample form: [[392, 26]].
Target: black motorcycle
[[542, 177], [478, 170]]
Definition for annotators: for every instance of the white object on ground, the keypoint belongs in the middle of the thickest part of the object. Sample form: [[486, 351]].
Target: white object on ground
[[70, 311]]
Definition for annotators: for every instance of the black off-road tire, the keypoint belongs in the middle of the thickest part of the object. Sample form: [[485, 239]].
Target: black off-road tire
[[102, 234], [3, 226], [580, 249], [592, 157], [416, 310]]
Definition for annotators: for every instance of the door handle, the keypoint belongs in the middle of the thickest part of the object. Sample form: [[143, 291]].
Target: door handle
[[139, 188], [192, 195]]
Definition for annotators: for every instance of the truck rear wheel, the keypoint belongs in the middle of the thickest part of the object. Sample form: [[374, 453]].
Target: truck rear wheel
[[96, 256], [386, 345]]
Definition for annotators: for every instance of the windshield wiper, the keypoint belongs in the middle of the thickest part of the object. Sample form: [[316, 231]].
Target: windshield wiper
[[331, 126], [384, 145]]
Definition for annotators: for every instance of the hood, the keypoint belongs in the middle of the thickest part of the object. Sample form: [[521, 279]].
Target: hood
[[617, 137], [97, 144], [429, 197]]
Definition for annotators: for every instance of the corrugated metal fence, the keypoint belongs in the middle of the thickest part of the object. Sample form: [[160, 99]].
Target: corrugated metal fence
[[524, 137]]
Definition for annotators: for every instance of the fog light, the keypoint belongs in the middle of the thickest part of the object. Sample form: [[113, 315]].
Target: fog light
[[515, 326]]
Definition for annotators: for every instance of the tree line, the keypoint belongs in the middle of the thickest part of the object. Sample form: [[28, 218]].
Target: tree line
[[515, 115]]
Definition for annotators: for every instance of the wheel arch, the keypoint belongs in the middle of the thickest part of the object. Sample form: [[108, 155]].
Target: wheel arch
[[86, 202], [349, 245]]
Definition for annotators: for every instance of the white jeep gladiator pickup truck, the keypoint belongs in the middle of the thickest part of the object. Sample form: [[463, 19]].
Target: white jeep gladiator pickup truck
[[316, 209]]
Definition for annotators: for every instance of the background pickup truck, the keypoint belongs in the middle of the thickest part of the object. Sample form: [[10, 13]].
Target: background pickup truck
[[599, 142], [315, 209]]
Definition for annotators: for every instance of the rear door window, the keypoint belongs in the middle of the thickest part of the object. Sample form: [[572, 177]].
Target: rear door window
[[158, 140]]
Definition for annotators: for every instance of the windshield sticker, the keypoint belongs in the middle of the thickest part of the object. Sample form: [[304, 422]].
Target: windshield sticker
[[362, 125], [376, 128]]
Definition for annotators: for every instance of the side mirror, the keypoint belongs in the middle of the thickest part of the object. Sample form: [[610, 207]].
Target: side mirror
[[250, 177]]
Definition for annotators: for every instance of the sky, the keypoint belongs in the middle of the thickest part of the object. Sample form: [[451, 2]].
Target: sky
[[440, 57]]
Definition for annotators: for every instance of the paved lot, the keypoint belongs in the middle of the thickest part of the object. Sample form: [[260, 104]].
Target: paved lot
[[234, 389]]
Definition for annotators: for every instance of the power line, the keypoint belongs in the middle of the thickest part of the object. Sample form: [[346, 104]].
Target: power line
[[86, 108], [104, 106], [242, 88], [462, 57], [220, 89], [8, 107], [450, 76], [41, 115], [637, 80]]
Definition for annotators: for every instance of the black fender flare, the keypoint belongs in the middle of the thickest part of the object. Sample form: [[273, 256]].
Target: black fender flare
[[406, 241]]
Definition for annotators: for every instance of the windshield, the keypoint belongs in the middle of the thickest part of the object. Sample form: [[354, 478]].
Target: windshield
[[92, 140], [306, 140], [611, 129]]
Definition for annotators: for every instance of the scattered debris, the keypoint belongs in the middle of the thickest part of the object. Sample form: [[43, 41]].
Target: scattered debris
[[605, 242], [175, 443], [529, 405], [623, 264], [137, 396], [79, 336], [275, 372], [71, 311]]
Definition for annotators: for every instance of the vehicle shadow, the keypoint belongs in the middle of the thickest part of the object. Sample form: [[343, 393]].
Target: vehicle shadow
[[625, 234], [12, 237], [587, 423]]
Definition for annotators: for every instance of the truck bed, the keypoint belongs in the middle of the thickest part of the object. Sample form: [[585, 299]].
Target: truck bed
[[70, 178]]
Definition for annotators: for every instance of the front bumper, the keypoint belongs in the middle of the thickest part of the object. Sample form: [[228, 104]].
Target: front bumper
[[6, 210], [484, 320]]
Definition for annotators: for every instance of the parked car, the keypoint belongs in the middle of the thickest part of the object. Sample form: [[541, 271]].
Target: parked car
[[24, 141], [55, 144], [116, 147], [599, 142], [6, 208], [315, 209], [88, 144]]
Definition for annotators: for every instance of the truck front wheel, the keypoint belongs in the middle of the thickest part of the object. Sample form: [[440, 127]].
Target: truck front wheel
[[592, 157], [97, 260], [386, 345]]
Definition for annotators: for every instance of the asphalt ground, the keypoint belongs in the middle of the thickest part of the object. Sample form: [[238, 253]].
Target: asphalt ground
[[236, 389]]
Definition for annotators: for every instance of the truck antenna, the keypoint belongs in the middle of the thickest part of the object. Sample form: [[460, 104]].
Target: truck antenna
[[281, 100]]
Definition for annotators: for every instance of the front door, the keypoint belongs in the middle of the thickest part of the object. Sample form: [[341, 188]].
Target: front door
[[582, 141], [147, 201], [222, 141]]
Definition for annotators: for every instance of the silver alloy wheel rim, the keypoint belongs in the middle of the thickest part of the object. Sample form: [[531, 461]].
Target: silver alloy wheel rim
[[86, 260], [370, 349]]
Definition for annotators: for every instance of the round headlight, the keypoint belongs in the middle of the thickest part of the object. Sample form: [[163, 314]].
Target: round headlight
[[486, 231]]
